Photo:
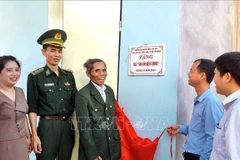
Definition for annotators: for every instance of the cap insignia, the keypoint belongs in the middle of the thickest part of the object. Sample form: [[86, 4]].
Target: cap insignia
[[58, 36]]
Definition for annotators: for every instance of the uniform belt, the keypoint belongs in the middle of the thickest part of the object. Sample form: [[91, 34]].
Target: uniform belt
[[64, 117], [192, 156]]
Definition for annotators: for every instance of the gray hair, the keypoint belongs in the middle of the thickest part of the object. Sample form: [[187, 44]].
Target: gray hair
[[88, 65]]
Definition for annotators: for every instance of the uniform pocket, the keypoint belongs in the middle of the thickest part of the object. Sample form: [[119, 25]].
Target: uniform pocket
[[116, 136], [50, 94], [116, 139], [111, 109], [97, 111], [96, 116], [68, 90], [116, 143]]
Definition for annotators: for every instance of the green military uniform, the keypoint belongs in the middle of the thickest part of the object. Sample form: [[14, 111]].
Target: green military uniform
[[97, 124], [52, 97]]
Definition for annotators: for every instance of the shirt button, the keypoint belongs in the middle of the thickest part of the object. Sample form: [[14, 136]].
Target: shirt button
[[109, 138], [50, 90], [96, 110], [110, 106], [106, 108], [108, 118], [60, 89], [62, 99]]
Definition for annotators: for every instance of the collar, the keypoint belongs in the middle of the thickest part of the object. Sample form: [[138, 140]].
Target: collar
[[103, 88], [48, 71], [203, 96], [232, 97]]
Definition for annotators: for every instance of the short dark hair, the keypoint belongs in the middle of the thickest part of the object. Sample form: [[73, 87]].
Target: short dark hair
[[6, 59], [88, 65], [206, 66], [45, 46], [229, 63]]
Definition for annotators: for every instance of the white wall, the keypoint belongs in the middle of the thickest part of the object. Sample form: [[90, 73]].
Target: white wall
[[93, 32]]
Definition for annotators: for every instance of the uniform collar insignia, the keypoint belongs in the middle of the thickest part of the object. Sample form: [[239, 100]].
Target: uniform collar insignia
[[48, 72]]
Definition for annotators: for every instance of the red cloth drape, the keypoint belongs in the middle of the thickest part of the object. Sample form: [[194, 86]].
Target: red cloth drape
[[133, 146]]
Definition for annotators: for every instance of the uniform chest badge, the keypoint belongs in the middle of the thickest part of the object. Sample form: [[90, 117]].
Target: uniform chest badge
[[67, 84], [48, 72], [48, 84]]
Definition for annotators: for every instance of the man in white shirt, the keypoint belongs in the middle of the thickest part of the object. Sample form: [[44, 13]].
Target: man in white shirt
[[226, 143]]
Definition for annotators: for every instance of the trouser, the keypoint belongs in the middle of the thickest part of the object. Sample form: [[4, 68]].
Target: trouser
[[190, 156], [57, 139]]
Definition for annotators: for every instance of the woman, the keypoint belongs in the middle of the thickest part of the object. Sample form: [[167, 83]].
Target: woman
[[15, 142], [95, 109]]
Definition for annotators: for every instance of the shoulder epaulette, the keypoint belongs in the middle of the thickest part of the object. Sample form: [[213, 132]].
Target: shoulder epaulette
[[37, 71], [67, 70]]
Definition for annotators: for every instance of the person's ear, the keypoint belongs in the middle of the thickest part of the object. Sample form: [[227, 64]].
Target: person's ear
[[227, 77], [203, 75], [43, 51], [88, 74]]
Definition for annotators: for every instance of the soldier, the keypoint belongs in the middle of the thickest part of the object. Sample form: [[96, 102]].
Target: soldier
[[51, 95]]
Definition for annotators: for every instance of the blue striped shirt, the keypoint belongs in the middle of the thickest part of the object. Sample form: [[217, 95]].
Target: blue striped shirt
[[207, 112]]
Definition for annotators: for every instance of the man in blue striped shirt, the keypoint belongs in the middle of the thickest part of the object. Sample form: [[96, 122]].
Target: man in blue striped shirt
[[207, 112]]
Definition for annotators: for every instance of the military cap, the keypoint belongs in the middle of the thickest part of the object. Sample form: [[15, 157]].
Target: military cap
[[53, 37]]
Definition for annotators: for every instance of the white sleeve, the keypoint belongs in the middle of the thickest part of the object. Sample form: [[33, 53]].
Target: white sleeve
[[232, 135]]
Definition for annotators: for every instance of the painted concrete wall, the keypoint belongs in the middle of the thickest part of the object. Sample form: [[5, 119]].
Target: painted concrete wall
[[206, 31], [21, 24], [150, 102]]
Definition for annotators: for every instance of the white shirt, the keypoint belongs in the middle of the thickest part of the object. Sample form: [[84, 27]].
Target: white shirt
[[101, 90], [226, 142]]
